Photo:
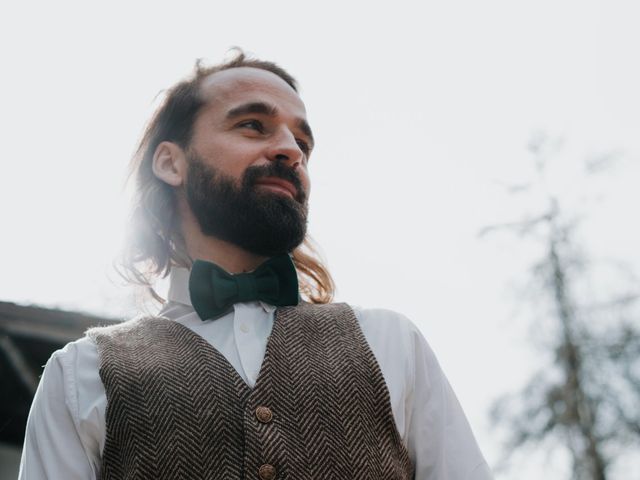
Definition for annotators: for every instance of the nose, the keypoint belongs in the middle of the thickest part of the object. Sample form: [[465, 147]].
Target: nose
[[284, 148]]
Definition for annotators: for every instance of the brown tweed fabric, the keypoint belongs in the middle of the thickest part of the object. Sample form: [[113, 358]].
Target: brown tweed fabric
[[178, 410]]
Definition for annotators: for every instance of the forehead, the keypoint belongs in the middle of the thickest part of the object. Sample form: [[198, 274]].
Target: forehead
[[229, 88]]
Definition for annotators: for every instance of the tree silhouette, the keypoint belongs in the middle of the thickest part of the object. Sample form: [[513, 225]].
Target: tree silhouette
[[586, 399]]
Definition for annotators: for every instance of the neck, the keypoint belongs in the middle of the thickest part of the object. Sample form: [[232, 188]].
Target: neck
[[227, 255]]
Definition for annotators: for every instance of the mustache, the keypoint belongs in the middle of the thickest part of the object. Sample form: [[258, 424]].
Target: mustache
[[275, 169]]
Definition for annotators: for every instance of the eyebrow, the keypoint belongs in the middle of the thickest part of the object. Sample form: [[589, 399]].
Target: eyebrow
[[253, 107], [262, 108]]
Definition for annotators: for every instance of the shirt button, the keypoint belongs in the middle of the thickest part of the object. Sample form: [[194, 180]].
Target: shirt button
[[264, 414], [244, 328], [267, 472]]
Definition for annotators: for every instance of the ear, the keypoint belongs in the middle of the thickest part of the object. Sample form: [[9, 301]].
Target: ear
[[169, 164]]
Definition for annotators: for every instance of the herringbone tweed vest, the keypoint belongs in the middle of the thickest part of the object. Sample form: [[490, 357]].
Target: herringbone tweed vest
[[176, 408]]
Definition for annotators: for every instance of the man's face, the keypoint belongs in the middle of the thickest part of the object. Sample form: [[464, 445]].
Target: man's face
[[247, 180]]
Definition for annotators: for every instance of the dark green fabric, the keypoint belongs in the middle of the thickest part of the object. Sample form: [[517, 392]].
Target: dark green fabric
[[214, 291]]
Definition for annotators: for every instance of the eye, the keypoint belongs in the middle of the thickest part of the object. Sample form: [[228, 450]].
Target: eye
[[304, 146], [253, 125]]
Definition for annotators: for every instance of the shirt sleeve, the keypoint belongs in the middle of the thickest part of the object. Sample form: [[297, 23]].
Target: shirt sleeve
[[52, 447], [439, 437]]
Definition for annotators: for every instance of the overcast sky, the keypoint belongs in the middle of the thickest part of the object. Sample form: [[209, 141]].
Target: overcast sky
[[422, 116]]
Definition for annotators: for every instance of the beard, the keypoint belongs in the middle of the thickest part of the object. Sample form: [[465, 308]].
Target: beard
[[260, 222]]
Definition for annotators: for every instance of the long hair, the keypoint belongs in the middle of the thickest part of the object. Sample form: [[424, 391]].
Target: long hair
[[155, 243]]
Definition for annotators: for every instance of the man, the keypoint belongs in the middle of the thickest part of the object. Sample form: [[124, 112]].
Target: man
[[248, 371]]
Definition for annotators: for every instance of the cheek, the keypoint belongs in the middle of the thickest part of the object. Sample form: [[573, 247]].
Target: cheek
[[306, 181], [232, 159]]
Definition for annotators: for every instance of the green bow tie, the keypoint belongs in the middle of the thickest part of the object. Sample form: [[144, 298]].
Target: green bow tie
[[214, 291]]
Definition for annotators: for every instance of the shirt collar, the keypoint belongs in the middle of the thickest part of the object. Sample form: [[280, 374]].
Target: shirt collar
[[179, 289]]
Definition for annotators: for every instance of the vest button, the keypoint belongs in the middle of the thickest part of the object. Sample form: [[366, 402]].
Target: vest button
[[267, 472], [264, 414]]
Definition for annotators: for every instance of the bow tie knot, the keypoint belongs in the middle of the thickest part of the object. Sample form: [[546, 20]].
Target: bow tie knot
[[247, 287], [214, 291]]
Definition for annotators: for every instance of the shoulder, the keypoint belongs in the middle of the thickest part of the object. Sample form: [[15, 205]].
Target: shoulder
[[68, 410], [392, 338], [378, 319], [396, 340], [388, 325], [74, 353], [109, 330], [67, 373], [124, 331], [382, 318], [394, 326]]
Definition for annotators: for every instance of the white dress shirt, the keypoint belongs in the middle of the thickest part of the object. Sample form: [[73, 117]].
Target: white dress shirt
[[66, 428]]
